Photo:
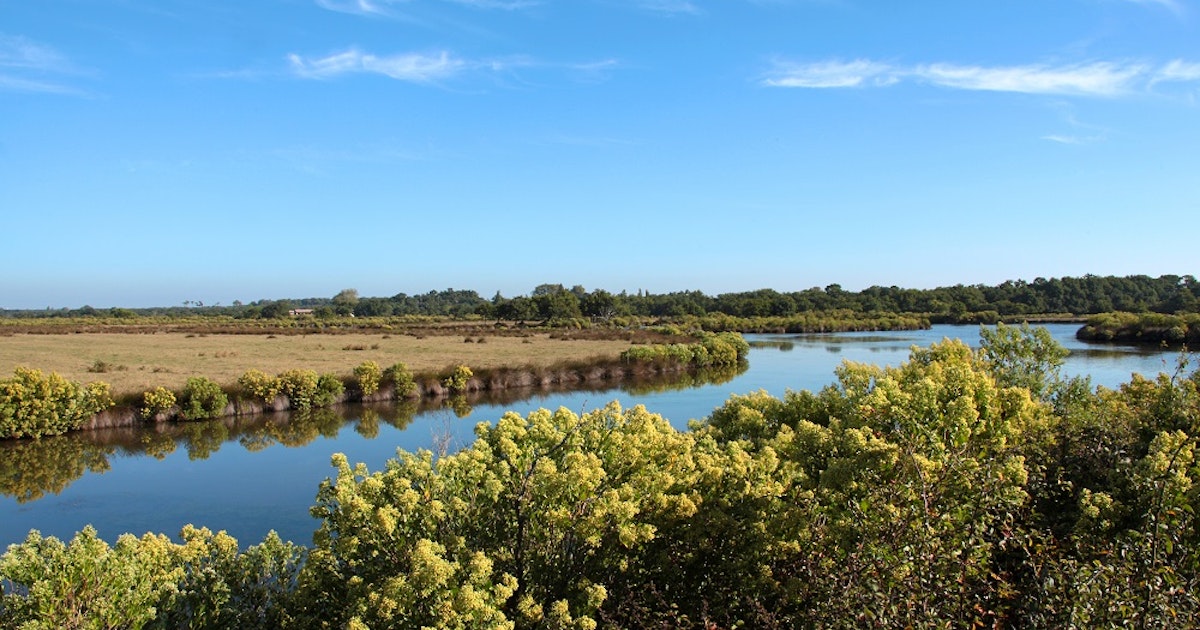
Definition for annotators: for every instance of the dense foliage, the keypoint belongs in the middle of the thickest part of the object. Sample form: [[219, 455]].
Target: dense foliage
[[34, 404], [458, 378], [555, 303], [840, 320], [148, 582], [368, 375], [202, 398], [157, 401], [720, 350], [1143, 328], [304, 389], [962, 488], [401, 379]]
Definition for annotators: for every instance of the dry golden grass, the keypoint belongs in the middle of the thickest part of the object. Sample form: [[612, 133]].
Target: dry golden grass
[[140, 362]]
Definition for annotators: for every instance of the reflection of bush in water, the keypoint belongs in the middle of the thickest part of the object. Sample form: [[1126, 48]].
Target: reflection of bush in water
[[255, 442], [1122, 352], [399, 415], [460, 406], [155, 444], [303, 427], [780, 345], [30, 469], [202, 439], [685, 380], [368, 424]]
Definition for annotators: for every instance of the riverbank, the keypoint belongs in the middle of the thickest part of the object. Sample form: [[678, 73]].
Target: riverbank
[[35, 404], [136, 362], [428, 387]]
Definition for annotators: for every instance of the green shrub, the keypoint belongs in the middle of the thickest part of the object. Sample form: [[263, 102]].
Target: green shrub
[[159, 400], [368, 375], [329, 389], [726, 348], [458, 379], [721, 349], [203, 399], [741, 347], [86, 583], [678, 352], [216, 586], [300, 386], [259, 385], [34, 404], [640, 354], [400, 376], [147, 582]]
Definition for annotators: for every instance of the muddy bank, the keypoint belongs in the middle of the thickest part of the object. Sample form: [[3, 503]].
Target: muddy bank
[[484, 386]]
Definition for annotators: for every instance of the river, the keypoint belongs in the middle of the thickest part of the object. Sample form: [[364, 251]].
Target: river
[[252, 475]]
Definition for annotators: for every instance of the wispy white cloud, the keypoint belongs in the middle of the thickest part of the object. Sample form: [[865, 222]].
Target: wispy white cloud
[[595, 66], [1178, 70], [832, 74], [413, 67], [594, 72], [1095, 79], [1061, 139], [1100, 79], [21, 52], [1076, 132], [27, 66], [1075, 139], [427, 68]]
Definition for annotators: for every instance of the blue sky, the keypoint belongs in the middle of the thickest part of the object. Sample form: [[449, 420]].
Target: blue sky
[[157, 151]]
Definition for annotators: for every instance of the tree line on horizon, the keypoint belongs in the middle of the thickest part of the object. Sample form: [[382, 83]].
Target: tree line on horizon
[[1086, 295]]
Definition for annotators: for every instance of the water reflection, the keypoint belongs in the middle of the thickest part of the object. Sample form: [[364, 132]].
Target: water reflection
[[33, 469], [835, 343], [1118, 352], [783, 345]]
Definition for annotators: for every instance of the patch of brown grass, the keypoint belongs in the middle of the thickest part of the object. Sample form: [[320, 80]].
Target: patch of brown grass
[[168, 359]]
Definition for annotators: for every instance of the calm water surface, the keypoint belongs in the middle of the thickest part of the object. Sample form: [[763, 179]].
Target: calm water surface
[[250, 476]]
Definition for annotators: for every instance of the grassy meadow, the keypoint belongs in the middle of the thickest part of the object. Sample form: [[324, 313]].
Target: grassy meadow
[[136, 362]]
